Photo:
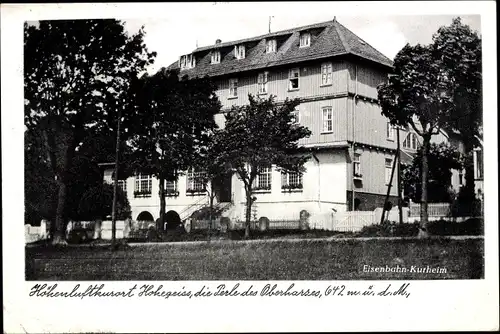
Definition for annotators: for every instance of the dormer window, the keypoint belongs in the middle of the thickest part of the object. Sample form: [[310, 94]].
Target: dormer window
[[187, 61], [239, 51], [271, 46], [215, 57], [411, 142], [305, 39]]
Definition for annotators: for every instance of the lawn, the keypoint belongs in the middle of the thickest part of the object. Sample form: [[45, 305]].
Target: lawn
[[315, 259]]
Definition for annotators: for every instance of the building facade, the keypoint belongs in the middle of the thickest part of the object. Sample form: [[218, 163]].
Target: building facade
[[410, 142], [335, 75]]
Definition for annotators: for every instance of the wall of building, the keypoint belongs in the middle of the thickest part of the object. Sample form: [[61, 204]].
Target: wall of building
[[326, 182], [311, 116], [364, 79], [151, 204], [370, 201], [370, 126], [278, 83], [458, 176], [372, 161], [324, 188]]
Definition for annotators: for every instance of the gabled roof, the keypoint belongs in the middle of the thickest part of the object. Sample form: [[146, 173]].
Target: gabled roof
[[328, 39]]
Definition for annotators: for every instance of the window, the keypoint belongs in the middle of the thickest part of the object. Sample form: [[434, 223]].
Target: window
[[262, 82], [411, 142], [182, 62], [143, 185], [390, 131], [171, 188], [479, 164], [271, 46], [122, 184], [187, 61], [388, 170], [296, 115], [293, 77], [233, 87], [263, 180], [327, 119], [356, 170], [215, 57], [291, 181], [461, 177], [192, 61], [195, 181], [326, 74], [305, 39], [239, 51]]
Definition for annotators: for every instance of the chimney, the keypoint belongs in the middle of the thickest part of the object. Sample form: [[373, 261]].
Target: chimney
[[217, 41]]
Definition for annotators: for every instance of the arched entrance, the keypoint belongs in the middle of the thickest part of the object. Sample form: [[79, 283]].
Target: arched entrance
[[145, 215], [172, 219]]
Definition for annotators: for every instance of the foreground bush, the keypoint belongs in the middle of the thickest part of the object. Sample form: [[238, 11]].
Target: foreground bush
[[472, 226], [281, 233], [235, 234], [389, 230]]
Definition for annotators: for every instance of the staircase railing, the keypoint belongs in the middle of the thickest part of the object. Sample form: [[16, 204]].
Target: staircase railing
[[184, 214]]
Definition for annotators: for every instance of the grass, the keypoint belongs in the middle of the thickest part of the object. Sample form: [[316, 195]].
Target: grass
[[314, 259]]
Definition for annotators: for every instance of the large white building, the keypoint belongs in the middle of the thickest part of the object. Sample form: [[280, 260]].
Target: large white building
[[335, 75]]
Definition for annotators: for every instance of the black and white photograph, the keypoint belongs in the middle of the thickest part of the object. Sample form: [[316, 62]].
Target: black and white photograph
[[237, 159]]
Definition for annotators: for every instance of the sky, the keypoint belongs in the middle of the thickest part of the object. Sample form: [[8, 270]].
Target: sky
[[200, 24]]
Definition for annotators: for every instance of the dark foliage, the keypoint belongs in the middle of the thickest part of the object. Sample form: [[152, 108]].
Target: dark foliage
[[96, 203], [473, 226], [442, 159]]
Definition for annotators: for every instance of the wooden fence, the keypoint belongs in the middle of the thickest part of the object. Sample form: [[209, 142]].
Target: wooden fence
[[280, 224], [198, 224], [434, 209], [353, 221]]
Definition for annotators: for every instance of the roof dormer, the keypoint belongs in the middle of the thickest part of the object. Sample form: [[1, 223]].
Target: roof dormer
[[215, 56], [239, 51], [271, 45], [305, 39], [187, 62]]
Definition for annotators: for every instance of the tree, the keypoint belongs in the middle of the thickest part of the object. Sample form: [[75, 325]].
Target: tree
[[258, 135], [215, 168], [76, 74], [423, 93], [40, 188], [442, 160], [173, 121], [461, 52], [96, 201]]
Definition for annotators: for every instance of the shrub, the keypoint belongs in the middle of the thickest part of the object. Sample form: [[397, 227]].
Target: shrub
[[466, 204], [472, 226], [96, 203], [389, 229]]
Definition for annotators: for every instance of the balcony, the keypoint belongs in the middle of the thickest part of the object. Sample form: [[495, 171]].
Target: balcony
[[292, 188], [171, 193], [195, 192], [262, 189], [142, 194]]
